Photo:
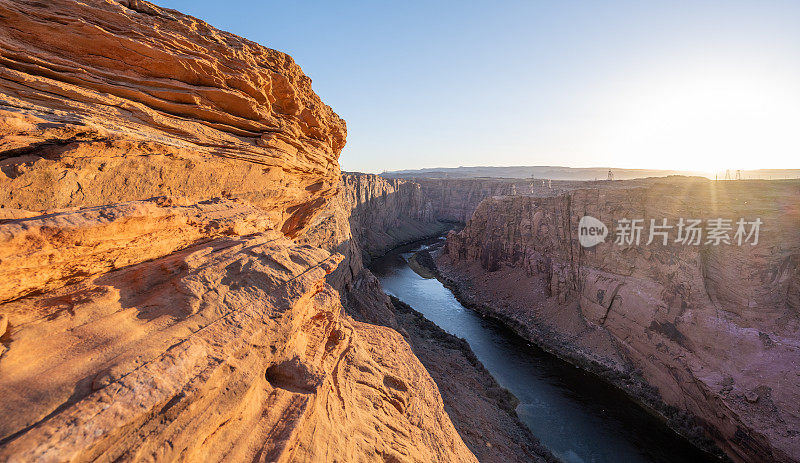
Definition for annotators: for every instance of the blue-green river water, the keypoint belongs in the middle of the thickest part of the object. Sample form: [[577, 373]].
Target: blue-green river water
[[580, 418]]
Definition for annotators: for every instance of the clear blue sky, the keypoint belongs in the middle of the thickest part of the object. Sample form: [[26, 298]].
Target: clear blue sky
[[678, 84]]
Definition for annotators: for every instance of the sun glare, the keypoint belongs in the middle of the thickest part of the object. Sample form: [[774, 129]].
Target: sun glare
[[707, 121]]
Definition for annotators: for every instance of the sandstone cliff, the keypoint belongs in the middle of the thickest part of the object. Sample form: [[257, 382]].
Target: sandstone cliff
[[153, 171], [109, 101], [713, 329]]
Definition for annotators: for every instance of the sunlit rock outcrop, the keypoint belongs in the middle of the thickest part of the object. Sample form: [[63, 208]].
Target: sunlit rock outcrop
[[107, 101], [232, 348]]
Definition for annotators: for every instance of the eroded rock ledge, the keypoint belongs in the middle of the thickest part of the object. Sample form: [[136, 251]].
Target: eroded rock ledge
[[107, 101], [233, 348]]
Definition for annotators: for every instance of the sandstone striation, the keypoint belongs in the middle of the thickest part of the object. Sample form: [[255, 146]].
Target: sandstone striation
[[708, 330], [46, 252], [109, 101], [230, 349]]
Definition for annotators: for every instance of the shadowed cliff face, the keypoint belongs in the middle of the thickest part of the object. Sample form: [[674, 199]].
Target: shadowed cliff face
[[153, 172], [455, 200], [371, 215], [108, 101], [713, 328]]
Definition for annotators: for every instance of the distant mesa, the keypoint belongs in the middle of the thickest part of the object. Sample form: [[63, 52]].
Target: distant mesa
[[574, 173]]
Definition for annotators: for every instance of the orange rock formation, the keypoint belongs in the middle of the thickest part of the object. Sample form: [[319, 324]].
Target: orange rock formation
[[108, 101], [153, 306]]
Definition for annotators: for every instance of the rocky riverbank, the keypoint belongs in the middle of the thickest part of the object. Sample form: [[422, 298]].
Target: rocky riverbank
[[630, 381], [482, 411]]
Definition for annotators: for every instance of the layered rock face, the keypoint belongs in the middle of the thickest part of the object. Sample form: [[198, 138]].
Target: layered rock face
[[454, 200], [109, 101], [714, 329], [46, 252], [371, 214], [234, 348], [159, 300]]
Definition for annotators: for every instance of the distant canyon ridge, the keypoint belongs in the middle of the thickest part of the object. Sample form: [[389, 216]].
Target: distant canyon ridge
[[582, 173]]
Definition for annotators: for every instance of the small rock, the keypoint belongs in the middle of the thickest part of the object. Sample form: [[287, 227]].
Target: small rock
[[102, 380], [752, 397]]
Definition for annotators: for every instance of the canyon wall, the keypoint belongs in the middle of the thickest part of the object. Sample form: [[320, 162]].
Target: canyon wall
[[709, 330], [160, 301], [371, 215], [454, 200]]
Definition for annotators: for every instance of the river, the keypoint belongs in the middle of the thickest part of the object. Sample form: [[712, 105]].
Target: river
[[578, 417]]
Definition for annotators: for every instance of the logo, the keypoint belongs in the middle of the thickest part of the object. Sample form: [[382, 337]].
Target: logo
[[591, 231]]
